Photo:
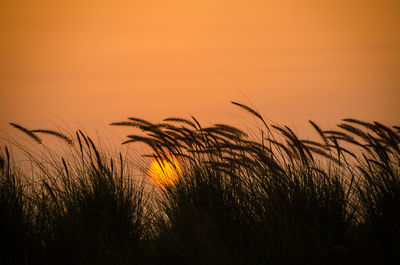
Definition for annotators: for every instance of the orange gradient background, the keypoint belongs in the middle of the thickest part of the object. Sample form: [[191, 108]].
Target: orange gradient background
[[90, 63]]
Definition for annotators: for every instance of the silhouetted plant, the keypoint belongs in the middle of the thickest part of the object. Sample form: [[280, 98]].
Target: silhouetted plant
[[240, 199], [15, 237]]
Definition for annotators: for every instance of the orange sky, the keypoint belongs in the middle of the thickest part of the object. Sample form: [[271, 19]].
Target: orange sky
[[96, 62]]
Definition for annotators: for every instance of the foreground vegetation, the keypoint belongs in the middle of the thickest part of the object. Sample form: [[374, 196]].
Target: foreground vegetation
[[269, 198]]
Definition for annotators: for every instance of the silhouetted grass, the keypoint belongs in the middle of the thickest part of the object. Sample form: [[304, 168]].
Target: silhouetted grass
[[15, 223], [278, 199], [84, 209]]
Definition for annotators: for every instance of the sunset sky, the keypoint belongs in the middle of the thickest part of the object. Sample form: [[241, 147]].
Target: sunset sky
[[96, 62]]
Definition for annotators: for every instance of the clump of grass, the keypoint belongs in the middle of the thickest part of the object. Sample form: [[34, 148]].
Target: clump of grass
[[97, 213], [378, 190], [14, 214], [279, 199], [86, 207], [275, 199]]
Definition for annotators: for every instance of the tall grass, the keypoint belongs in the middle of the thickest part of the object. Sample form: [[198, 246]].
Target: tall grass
[[240, 199], [14, 219], [85, 209], [278, 199]]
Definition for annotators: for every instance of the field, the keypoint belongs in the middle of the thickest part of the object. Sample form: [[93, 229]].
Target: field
[[242, 197]]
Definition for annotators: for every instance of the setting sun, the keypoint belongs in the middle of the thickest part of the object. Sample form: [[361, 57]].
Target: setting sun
[[164, 172]]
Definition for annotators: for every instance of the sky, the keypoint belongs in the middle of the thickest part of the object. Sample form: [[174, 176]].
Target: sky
[[89, 63]]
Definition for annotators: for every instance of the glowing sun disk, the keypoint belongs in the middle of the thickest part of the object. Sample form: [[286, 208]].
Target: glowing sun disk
[[164, 173]]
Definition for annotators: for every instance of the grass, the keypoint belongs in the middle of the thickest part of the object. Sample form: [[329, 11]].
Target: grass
[[14, 221], [84, 209], [278, 199]]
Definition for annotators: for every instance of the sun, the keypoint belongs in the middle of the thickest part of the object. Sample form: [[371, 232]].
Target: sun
[[164, 172]]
